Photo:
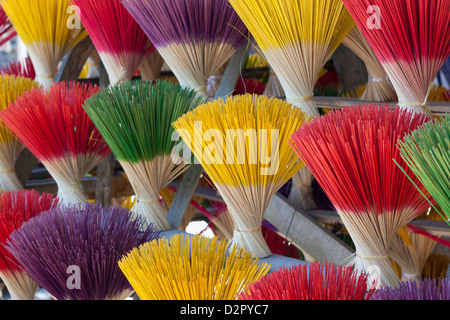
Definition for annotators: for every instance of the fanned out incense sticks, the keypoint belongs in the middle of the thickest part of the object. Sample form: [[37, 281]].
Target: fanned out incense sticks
[[84, 241], [427, 289], [22, 68], [121, 44], [378, 86], [350, 152], [315, 282], [190, 267], [16, 208], [49, 30], [411, 38], [241, 144], [11, 88], [426, 151], [249, 86], [439, 93], [195, 37], [436, 266], [274, 89], [151, 67], [54, 127], [221, 222], [135, 119], [411, 250], [7, 31], [297, 38], [214, 82]]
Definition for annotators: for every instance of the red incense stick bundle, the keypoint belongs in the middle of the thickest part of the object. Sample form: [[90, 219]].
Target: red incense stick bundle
[[121, 43], [7, 31], [316, 282], [411, 38], [17, 207], [350, 152], [53, 125], [22, 68]]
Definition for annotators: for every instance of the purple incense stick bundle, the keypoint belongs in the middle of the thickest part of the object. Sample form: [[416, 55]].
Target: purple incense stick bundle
[[195, 37], [427, 289], [72, 252]]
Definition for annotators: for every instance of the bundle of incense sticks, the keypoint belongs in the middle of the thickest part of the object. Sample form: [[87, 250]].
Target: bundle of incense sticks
[[214, 82], [411, 38], [54, 127], [195, 38], [350, 152], [22, 68], [7, 31], [240, 143], [378, 87], [249, 86], [436, 266], [427, 289], [121, 44], [220, 220], [11, 88], [426, 151], [297, 38], [151, 67], [190, 267], [73, 252], [135, 119], [316, 282], [49, 29], [411, 250], [16, 208], [274, 88]]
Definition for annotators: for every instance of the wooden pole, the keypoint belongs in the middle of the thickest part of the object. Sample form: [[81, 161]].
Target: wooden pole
[[105, 170]]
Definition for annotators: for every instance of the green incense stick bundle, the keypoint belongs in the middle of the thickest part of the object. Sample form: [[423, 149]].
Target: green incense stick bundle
[[427, 152], [135, 119]]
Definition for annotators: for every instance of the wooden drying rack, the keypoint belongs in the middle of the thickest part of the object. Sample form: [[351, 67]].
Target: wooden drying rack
[[304, 229]]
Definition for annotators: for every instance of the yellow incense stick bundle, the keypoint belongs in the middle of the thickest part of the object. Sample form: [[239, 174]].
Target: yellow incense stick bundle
[[49, 29], [378, 86], [297, 38], [190, 268], [11, 87], [241, 143]]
